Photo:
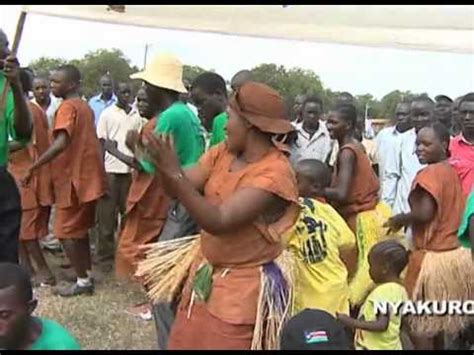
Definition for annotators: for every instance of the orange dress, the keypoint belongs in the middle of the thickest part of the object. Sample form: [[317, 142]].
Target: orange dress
[[363, 192], [147, 208], [229, 315], [37, 197], [443, 184], [439, 269], [79, 178]]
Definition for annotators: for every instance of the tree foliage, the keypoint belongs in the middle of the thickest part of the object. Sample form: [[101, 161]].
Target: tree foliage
[[98, 63], [92, 66], [44, 65], [191, 72], [289, 82]]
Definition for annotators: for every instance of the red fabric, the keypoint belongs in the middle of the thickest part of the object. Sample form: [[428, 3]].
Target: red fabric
[[39, 191], [462, 160], [363, 192], [440, 234], [147, 208]]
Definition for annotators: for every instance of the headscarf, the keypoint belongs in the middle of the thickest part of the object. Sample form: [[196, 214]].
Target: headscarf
[[264, 108]]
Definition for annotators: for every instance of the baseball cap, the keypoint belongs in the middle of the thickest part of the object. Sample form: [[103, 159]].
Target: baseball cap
[[313, 329]]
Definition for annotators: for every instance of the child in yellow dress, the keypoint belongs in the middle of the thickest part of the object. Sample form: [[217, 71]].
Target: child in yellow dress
[[380, 331]]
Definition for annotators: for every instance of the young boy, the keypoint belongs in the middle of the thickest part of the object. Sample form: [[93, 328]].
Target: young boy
[[19, 329], [387, 260], [322, 244], [78, 175]]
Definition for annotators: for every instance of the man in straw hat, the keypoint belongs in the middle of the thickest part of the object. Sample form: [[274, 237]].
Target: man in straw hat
[[163, 79], [78, 175], [244, 196], [15, 122]]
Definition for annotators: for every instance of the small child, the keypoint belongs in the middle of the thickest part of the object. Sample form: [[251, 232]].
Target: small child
[[321, 243], [387, 260]]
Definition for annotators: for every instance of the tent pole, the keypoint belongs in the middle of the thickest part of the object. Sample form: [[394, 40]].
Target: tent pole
[[14, 51]]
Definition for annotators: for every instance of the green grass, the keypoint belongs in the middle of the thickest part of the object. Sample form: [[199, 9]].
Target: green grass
[[99, 321]]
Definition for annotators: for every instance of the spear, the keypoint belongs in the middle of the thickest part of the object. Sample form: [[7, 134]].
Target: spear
[[16, 44]]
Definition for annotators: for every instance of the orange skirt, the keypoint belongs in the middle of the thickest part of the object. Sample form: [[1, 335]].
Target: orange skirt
[[137, 231], [74, 222], [203, 331], [34, 223]]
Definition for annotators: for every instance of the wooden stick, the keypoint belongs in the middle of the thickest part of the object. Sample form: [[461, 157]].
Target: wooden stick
[[16, 44]]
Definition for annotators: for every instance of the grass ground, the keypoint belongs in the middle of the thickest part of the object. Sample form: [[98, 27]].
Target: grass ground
[[99, 321]]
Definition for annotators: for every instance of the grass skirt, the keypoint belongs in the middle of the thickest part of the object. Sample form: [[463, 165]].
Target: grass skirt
[[447, 275], [166, 268], [369, 232]]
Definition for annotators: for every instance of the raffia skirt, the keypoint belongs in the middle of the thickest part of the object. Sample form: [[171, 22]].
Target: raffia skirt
[[369, 231], [447, 275]]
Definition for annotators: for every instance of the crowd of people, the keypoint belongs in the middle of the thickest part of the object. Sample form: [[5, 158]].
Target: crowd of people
[[360, 219]]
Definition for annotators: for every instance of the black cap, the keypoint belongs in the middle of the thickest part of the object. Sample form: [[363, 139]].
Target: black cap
[[314, 329]]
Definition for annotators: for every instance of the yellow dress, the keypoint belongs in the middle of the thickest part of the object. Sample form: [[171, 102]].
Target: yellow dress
[[315, 241], [369, 232], [390, 338]]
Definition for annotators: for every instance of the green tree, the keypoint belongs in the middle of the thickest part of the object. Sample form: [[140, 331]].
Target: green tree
[[389, 102], [289, 82], [44, 65], [367, 100], [191, 72], [100, 62]]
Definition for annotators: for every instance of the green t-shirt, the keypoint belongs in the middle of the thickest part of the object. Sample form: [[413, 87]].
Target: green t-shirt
[[7, 120], [463, 231], [54, 337], [185, 128], [218, 129]]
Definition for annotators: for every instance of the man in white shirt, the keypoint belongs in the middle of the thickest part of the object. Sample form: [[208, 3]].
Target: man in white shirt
[[387, 140], [313, 140], [402, 165], [43, 98], [114, 123]]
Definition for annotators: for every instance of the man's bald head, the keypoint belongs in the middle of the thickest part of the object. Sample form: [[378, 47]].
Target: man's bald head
[[107, 86], [240, 79]]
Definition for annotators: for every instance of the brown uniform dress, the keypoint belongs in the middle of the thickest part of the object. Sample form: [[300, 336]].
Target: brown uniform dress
[[227, 319], [37, 197], [147, 208], [79, 178], [363, 192], [440, 234]]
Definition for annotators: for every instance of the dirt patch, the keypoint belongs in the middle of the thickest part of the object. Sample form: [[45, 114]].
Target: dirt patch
[[99, 322]]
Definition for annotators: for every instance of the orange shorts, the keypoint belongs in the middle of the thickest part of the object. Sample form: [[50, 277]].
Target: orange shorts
[[34, 223], [75, 221]]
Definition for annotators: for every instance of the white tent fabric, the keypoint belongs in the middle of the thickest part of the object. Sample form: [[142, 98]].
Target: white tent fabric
[[445, 28]]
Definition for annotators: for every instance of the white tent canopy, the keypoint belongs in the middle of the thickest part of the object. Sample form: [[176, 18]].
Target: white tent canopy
[[444, 28]]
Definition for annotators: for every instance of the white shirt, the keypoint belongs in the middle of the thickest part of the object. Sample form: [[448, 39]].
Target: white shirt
[[386, 141], [114, 123], [401, 167], [318, 146], [52, 108]]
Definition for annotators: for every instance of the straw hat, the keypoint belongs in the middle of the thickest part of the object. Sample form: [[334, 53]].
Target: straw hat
[[164, 71]]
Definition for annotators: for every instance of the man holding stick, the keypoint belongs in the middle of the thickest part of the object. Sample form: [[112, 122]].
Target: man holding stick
[[15, 122]]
